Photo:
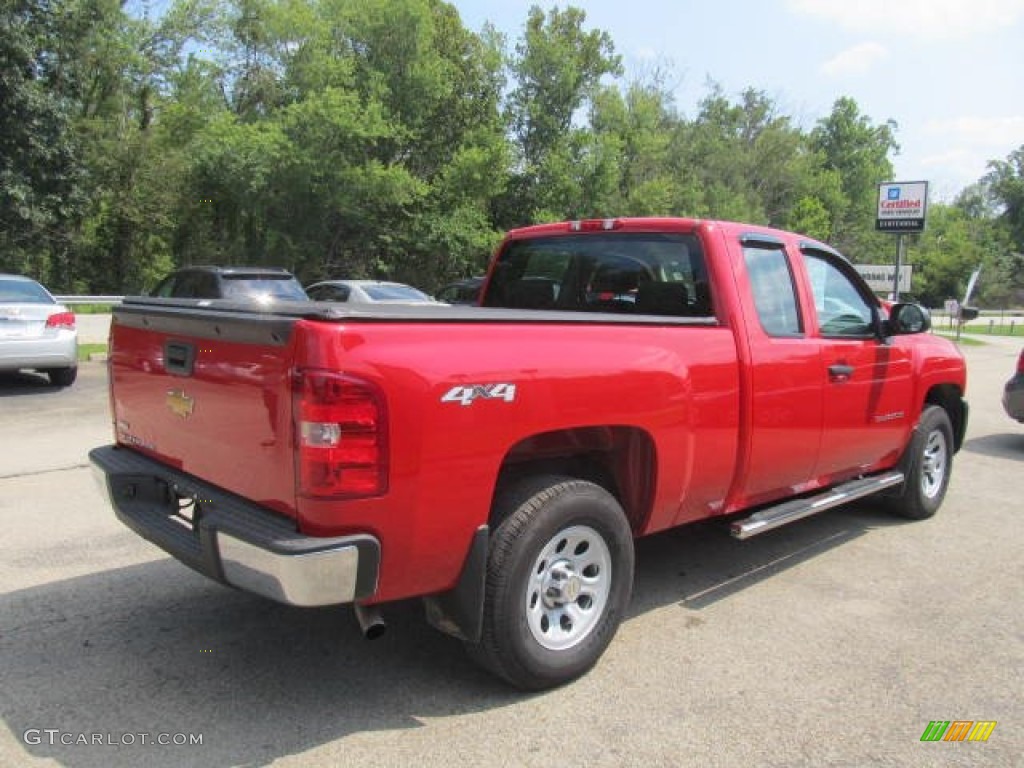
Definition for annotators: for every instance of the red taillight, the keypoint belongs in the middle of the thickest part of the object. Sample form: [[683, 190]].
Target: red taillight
[[61, 320], [1020, 362], [341, 426]]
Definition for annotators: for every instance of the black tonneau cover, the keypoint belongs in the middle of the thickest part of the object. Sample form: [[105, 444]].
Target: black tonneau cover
[[282, 312]]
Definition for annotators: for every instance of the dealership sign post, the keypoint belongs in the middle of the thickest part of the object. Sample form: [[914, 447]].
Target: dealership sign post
[[902, 208]]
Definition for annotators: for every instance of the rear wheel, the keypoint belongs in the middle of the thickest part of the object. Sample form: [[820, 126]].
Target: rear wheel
[[927, 466], [559, 577], [62, 377]]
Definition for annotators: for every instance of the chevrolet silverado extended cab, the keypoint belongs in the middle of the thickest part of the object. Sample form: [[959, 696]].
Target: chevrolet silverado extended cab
[[622, 376]]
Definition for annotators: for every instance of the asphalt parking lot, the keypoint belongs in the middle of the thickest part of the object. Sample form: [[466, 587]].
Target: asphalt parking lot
[[831, 642]]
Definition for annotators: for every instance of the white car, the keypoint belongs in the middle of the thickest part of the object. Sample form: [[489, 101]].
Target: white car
[[367, 292], [36, 332]]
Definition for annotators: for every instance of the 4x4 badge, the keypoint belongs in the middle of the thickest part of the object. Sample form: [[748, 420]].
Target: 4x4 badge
[[466, 395], [179, 403]]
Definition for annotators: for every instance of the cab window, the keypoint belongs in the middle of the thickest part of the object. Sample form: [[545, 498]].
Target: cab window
[[635, 273], [774, 292], [841, 309]]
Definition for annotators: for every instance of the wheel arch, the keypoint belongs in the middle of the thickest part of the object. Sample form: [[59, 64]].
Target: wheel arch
[[949, 397], [621, 459]]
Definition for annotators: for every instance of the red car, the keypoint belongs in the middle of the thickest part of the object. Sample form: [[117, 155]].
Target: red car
[[622, 376]]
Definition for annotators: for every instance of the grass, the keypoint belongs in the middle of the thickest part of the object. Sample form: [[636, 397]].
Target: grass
[[997, 329], [92, 309], [84, 350], [965, 341]]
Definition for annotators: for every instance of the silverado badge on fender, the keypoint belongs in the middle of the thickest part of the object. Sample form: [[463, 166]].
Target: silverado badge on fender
[[179, 403]]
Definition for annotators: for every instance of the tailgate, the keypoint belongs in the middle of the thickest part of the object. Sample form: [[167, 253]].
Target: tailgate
[[208, 392]]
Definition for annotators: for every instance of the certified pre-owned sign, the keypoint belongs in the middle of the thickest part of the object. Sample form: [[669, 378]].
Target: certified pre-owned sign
[[902, 206]]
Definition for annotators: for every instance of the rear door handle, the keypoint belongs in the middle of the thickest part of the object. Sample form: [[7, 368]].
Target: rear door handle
[[840, 372]]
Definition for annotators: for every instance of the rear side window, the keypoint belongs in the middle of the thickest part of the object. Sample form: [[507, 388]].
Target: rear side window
[[328, 292], [165, 288], [633, 273], [394, 293], [188, 285], [774, 293]]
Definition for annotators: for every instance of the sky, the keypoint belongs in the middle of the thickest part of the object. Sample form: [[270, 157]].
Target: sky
[[949, 72]]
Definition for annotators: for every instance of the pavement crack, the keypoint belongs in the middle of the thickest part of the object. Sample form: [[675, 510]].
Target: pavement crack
[[36, 472]]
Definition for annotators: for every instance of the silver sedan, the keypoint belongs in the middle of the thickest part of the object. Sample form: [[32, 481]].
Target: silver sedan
[[36, 332], [368, 292]]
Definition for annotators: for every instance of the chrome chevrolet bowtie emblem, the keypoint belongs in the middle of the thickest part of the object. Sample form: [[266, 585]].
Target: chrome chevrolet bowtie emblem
[[179, 403]]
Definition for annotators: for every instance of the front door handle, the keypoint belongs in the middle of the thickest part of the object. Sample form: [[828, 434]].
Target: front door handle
[[840, 372]]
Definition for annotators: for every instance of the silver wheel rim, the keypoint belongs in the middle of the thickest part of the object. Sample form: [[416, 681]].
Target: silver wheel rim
[[568, 588], [933, 464]]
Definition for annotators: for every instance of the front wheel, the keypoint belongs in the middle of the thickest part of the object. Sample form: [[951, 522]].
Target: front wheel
[[927, 466], [559, 577]]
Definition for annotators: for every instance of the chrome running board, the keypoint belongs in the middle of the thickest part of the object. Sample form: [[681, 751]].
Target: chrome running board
[[797, 509]]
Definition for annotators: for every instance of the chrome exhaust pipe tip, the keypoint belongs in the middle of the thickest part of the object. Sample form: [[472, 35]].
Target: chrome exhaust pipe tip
[[371, 622]]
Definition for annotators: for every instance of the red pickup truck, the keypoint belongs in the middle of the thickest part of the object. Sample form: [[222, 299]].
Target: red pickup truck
[[622, 376]]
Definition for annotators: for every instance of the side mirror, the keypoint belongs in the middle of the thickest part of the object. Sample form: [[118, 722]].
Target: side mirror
[[908, 318]]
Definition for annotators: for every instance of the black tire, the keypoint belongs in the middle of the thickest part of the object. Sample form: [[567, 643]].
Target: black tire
[[927, 466], [63, 377], [559, 578]]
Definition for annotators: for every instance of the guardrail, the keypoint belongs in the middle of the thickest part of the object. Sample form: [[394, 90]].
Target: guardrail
[[72, 300]]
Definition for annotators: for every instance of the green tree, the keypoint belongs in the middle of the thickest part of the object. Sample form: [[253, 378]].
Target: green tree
[[1005, 183], [857, 150], [357, 138], [373, 147], [1002, 277], [944, 255], [557, 69], [129, 68], [43, 186], [637, 127]]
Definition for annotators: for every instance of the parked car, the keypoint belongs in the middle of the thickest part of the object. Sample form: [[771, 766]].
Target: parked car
[[260, 284], [462, 291], [1013, 394], [367, 292], [623, 377], [36, 332]]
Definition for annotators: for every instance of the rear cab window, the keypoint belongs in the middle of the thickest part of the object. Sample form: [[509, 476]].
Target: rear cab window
[[772, 286], [616, 272]]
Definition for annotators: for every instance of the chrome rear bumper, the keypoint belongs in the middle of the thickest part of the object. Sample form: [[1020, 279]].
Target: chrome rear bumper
[[232, 540]]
